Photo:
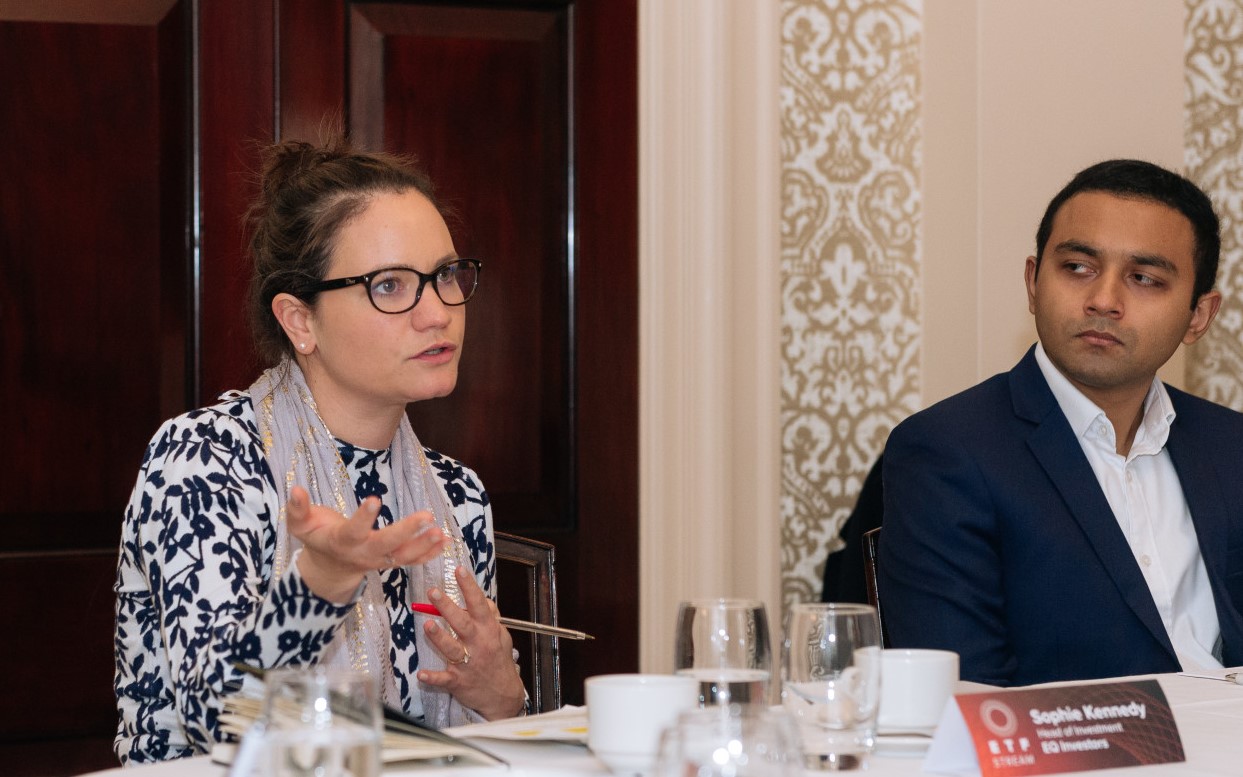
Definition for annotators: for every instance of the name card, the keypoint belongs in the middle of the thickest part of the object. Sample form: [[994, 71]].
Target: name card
[[1070, 728]]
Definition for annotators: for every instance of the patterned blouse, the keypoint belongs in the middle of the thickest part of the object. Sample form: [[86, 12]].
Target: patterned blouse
[[194, 587]]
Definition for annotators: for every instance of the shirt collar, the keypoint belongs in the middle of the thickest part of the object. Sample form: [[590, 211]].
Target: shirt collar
[[1083, 413]]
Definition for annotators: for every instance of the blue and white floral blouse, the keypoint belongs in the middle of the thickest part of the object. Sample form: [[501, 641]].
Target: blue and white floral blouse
[[194, 587]]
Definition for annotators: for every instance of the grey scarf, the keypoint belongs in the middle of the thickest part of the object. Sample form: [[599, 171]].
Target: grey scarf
[[301, 451]]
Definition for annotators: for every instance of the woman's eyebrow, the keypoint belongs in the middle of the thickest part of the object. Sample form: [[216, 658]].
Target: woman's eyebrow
[[441, 262]]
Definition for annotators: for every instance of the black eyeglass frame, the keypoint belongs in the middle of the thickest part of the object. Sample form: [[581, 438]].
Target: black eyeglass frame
[[424, 279]]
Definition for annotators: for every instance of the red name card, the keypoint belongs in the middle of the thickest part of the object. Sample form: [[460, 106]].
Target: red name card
[[1069, 728]]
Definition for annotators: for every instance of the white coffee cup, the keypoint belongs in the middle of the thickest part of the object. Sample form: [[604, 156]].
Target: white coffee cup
[[914, 686], [626, 714]]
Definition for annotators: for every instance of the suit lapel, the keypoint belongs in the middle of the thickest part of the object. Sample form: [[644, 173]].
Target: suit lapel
[[1054, 445], [1204, 498], [1210, 513]]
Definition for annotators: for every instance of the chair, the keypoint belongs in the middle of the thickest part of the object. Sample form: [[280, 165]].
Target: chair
[[541, 662], [871, 549], [843, 569]]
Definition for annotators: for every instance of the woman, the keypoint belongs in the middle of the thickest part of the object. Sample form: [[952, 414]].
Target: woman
[[236, 546]]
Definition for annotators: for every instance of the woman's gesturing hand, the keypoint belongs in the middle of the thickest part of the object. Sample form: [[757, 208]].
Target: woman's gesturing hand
[[480, 670], [337, 551]]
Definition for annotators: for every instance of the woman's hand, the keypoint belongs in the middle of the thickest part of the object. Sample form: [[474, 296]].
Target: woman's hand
[[480, 671], [338, 551]]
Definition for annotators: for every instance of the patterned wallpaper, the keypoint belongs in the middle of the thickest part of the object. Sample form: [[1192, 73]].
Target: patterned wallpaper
[[1214, 140], [850, 156]]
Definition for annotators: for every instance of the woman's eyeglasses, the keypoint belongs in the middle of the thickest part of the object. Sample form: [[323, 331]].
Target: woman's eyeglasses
[[398, 289]]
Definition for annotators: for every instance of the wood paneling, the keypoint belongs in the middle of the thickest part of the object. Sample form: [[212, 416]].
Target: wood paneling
[[131, 146], [310, 68], [70, 694], [600, 560], [487, 116], [526, 117], [93, 315], [82, 266], [237, 115]]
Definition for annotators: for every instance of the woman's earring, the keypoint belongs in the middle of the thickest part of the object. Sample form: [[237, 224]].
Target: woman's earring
[[301, 346]]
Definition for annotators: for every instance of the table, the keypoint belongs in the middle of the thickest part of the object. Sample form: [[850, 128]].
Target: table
[[1209, 715], [526, 759]]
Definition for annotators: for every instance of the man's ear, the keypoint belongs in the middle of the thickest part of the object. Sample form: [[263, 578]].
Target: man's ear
[[295, 318], [1030, 270], [1202, 315]]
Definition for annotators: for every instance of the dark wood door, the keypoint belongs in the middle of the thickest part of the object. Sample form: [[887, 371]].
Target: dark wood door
[[93, 322], [525, 116], [129, 160]]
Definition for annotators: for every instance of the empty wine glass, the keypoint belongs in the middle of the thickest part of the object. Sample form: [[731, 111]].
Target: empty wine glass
[[730, 741], [832, 682], [724, 644]]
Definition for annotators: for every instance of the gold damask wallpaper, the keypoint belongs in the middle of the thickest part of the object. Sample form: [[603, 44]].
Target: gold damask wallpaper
[[850, 157], [850, 263], [1214, 158]]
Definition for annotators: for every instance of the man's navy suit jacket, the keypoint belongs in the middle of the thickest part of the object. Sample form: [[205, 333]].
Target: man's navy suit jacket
[[999, 543]]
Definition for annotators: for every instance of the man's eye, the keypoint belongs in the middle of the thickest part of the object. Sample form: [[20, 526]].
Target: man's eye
[[445, 274]]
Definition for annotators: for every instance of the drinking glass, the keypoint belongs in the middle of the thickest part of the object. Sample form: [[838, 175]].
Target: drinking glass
[[831, 669], [730, 741], [723, 643], [321, 722]]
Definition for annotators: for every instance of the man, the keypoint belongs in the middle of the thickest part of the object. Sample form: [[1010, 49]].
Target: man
[[1074, 517]]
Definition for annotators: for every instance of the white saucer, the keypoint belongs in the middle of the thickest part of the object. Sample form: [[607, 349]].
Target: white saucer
[[902, 745]]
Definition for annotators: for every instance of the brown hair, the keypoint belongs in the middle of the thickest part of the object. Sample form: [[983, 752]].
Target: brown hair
[[307, 194]]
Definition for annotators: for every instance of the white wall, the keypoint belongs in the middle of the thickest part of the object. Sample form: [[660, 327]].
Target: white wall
[[1019, 96], [708, 326]]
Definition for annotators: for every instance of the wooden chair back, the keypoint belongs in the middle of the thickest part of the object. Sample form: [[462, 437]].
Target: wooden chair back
[[871, 549], [531, 566]]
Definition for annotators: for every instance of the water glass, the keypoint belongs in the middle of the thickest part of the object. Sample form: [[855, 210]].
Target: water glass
[[724, 644], [831, 670], [321, 722], [730, 741]]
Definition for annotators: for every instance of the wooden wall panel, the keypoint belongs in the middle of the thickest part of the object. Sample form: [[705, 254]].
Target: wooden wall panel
[[310, 68], [82, 265], [237, 116], [527, 119], [60, 688], [125, 277], [479, 97], [93, 318], [600, 560]]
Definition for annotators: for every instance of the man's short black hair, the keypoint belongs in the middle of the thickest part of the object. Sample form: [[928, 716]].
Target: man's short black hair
[[1146, 181]]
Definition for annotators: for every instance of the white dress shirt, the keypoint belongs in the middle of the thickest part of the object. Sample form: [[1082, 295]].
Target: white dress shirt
[[1147, 500]]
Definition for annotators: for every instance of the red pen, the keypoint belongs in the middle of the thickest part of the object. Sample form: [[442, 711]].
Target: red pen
[[513, 623]]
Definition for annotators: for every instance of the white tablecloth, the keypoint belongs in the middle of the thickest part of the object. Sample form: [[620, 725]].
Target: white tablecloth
[[1209, 715]]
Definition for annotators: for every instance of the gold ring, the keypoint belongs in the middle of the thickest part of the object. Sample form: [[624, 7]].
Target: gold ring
[[465, 659]]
